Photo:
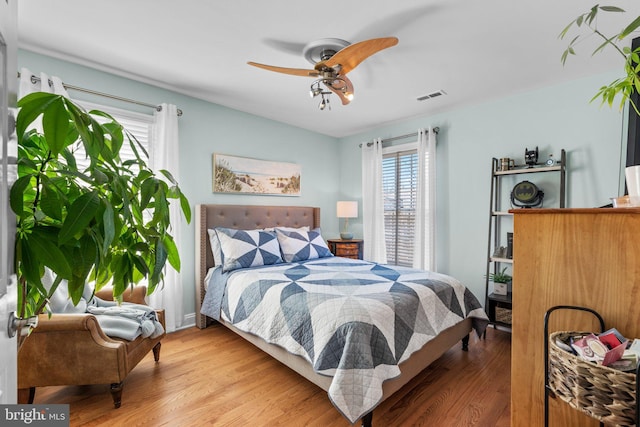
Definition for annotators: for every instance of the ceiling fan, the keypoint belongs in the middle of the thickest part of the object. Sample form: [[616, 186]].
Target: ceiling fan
[[332, 60]]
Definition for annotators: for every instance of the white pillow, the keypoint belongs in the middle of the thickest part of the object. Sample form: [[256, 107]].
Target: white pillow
[[215, 247]]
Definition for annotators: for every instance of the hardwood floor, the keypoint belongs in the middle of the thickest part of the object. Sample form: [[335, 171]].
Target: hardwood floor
[[213, 377]]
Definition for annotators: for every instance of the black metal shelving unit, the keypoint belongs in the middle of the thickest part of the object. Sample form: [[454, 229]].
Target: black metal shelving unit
[[498, 214]]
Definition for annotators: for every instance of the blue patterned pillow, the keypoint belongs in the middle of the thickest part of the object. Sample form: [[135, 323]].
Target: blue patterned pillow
[[247, 248], [302, 245]]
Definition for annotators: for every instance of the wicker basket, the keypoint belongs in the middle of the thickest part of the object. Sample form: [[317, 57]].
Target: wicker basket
[[503, 315], [602, 393]]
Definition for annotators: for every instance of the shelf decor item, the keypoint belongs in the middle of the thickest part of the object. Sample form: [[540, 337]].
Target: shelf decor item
[[526, 194], [346, 210], [500, 281], [531, 157]]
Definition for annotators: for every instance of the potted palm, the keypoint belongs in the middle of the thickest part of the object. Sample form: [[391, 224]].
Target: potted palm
[[625, 86], [104, 223]]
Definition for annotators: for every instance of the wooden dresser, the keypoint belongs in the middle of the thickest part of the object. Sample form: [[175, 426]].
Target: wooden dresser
[[346, 248], [584, 257]]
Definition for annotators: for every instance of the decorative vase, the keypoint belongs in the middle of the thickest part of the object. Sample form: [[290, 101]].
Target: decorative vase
[[632, 175]]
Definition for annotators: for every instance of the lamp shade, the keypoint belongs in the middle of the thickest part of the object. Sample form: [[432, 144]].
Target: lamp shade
[[347, 209]]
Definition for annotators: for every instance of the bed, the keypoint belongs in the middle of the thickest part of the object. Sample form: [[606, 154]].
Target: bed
[[378, 380]]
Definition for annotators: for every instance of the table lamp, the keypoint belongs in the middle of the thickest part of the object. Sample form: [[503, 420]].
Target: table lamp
[[346, 210]]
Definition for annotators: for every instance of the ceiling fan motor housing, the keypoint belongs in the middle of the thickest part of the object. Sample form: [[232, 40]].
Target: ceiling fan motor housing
[[323, 49]]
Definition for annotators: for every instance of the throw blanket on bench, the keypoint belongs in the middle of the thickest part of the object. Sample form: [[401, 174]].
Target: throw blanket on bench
[[127, 321]]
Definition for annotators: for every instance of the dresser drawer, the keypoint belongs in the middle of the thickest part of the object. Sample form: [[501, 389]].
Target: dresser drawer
[[346, 248], [343, 250]]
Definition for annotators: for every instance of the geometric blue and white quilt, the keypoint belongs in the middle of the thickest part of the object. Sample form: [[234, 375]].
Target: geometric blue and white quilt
[[352, 320]]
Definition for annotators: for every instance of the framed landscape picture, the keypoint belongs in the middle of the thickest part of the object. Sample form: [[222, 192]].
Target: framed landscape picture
[[243, 175]]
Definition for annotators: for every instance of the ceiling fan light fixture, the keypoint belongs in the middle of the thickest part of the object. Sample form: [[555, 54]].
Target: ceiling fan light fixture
[[315, 89], [325, 101]]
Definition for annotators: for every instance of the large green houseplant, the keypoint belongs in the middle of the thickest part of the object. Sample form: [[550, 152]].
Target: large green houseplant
[[107, 222], [587, 25]]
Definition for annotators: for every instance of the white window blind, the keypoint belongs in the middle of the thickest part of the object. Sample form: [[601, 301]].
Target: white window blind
[[399, 178]]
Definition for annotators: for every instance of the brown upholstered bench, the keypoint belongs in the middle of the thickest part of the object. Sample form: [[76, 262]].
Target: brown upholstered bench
[[72, 349]]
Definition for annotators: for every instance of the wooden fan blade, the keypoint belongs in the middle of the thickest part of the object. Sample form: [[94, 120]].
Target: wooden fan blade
[[352, 55], [345, 96], [292, 71]]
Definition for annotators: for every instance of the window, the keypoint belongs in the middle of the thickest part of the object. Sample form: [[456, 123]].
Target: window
[[399, 180]]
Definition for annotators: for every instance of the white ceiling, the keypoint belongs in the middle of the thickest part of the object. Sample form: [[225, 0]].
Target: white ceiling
[[473, 50]]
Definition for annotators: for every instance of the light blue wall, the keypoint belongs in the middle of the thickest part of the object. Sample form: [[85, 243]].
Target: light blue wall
[[551, 118], [206, 128]]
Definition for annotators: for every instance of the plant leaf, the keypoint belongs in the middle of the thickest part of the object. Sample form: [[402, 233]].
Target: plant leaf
[[611, 9], [50, 202], [630, 28], [31, 106], [28, 264], [108, 226], [80, 214], [55, 123], [16, 199], [172, 251], [159, 262], [186, 208], [48, 253]]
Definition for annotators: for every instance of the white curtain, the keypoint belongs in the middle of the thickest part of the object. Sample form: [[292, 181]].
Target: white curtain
[[372, 203], [163, 154], [29, 84], [424, 242]]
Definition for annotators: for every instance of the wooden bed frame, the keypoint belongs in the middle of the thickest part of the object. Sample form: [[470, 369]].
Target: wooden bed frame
[[255, 217]]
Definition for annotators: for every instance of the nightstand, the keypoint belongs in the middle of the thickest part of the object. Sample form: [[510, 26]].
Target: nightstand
[[346, 248]]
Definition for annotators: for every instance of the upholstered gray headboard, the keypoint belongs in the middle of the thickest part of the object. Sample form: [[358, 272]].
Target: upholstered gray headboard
[[243, 217]]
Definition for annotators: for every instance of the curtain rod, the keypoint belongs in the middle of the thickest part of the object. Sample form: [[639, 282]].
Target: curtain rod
[[369, 144], [35, 79]]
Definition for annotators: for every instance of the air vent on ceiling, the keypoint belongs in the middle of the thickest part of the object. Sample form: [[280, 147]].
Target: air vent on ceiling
[[432, 95]]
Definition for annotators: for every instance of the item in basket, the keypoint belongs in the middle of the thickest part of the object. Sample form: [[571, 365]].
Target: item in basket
[[564, 345], [616, 345], [635, 347], [627, 363], [612, 338], [584, 350], [614, 354], [590, 348]]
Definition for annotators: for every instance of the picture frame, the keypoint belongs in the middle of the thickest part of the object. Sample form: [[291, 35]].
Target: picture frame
[[245, 175]]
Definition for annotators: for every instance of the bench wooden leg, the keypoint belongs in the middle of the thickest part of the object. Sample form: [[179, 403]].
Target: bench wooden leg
[[26, 395], [116, 393], [156, 352]]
